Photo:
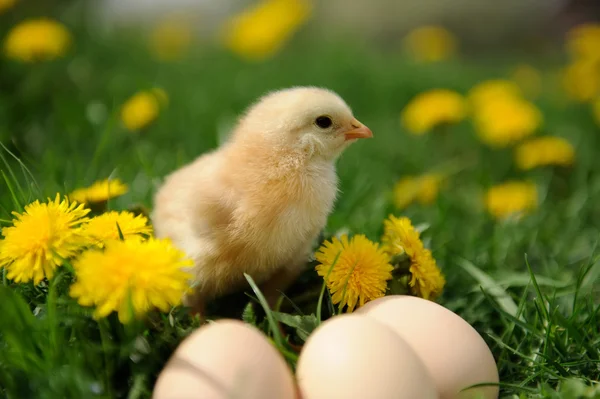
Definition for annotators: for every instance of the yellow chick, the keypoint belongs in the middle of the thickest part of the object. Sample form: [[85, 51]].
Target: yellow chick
[[256, 204]]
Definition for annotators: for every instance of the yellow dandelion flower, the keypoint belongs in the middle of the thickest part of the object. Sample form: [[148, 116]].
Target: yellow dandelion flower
[[544, 151], [360, 273], [6, 4], [261, 31], [491, 90], [171, 38], [430, 44], [528, 79], [41, 238], [511, 199], [142, 109], [131, 275], [37, 40], [423, 189], [581, 80], [401, 238], [506, 121], [100, 191], [433, 108], [427, 281], [583, 41], [103, 228]]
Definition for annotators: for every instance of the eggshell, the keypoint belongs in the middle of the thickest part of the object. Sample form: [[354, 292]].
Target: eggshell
[[455, 354], [225, 359], [350, 357]]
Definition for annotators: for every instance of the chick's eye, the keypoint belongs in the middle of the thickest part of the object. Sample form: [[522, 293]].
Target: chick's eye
[[323, 122]]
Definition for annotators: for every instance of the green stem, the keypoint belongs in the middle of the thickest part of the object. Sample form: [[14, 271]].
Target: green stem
[[104, 337], [320, 302]]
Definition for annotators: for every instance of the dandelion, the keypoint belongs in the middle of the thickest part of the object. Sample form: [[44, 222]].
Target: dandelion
[[506, 121], [430, 44], [433, 108], [41, 238], [401, 238], [143, 108], [360, 273], [261, 31], [130, 276], [583, 42], [491, 90], [6, 4], [103, 228], [423, 189], [544, 151], [581, 80], [171, 38], [512, 198], [100, 191], [37, 40], [528, 79]]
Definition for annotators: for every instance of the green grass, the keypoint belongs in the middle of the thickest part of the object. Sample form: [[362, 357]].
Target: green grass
[[530, 288]]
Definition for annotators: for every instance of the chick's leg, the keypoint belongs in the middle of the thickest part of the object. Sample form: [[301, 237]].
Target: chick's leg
[[281, 280], [196, 303]]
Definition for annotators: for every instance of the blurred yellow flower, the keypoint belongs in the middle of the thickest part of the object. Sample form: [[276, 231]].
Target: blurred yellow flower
[[37, 40], [512, 198], [6, 4], [131, 277], [143, 108], [423, 189], [100, 191], [103, 228], [430, 44], [360, 270], [262, 30], [583, 42], [528, 79], [171, 38], [505, 121], [40, 238], [491, 90], [433, 108], [581, 80], [401, 238], [544, 151]]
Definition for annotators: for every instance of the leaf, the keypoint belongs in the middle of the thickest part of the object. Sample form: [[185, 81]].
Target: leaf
[[492, 287], [304, 325], [21, 332], [249, 315], [121, 237]]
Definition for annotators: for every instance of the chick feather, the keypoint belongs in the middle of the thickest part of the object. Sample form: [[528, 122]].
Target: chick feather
[[256, 204]]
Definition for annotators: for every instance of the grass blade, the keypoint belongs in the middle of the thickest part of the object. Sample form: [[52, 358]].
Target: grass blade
[[272, 323], [492, 287], [13, 196]]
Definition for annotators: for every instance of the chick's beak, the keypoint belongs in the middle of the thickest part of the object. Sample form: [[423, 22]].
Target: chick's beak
[[358, 131]]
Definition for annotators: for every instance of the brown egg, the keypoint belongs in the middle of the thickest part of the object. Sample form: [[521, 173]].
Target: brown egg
[[350, 357], [455, 354], [225, 359]]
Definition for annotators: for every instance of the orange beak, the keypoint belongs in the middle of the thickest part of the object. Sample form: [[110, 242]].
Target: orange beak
[[358, 131]]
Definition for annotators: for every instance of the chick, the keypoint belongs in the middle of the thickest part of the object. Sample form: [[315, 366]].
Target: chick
[[257, 203]]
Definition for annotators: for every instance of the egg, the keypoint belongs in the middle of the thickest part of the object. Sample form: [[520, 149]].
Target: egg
[[454, 353], [350, 357], [225, 359]]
